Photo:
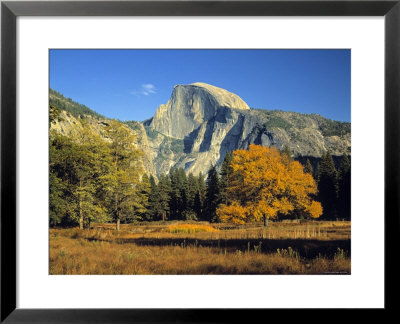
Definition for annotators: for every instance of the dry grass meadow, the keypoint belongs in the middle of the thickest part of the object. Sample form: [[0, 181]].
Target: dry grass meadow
[[313, 247]]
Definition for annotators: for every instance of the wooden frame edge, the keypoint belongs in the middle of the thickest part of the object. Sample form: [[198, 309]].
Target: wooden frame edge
[[11, 10]]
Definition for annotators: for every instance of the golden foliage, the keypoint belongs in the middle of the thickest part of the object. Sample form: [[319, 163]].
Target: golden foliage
[[266, 183], [190, 228], [315, 209], [232, 214]]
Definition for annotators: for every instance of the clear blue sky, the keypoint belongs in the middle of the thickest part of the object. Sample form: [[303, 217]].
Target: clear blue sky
[[131, 84]]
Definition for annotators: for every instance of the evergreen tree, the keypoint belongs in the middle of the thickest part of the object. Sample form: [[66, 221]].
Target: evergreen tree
[[200, 196], [202, 186], [327, 186], [308, 167], [212, 195], [175, 194], [192, 189], [226, 172], [184, 189], [154, 211], [345, 188], [141, 199], [179, 193], [164, 196]]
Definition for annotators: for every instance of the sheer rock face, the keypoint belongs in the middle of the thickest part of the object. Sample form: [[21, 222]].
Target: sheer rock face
[[206, 118], [192, 105], [208, 121]]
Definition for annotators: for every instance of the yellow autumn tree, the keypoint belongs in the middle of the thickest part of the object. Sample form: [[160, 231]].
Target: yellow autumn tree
[[265, 183]]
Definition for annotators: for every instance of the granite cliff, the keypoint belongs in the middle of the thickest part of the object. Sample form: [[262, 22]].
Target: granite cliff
[[200, 122]]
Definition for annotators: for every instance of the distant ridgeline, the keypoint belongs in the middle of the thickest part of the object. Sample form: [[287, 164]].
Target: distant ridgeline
[[328, 127], [56, 99]]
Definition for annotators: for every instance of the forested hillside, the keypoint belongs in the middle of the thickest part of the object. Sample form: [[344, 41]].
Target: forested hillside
[[76, 109]]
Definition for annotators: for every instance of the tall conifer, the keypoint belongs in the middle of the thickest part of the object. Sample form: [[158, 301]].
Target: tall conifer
[[164, 191], [226, 172], [345, 188], [308, 167], [327, 186], [212, 194]]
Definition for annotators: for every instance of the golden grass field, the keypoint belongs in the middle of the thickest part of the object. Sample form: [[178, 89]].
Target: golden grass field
[[313, 247]]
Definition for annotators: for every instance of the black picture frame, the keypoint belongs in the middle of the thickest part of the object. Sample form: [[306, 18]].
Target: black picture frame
[[10, 10]]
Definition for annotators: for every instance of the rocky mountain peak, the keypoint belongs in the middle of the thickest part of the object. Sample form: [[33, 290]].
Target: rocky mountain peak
[[192, 105], [222, 96]]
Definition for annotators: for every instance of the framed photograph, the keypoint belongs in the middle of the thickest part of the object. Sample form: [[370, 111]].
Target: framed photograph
[[162, 158]]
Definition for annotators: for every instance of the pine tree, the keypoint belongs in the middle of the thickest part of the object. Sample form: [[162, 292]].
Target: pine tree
[[308, 167], [345, 188], [192, 189], [154, 211], [212, 195], [179, 193], [225, 174], [200, 196], [183, 188], [327, 186], [141, 200], [165, 191], [175, 194]]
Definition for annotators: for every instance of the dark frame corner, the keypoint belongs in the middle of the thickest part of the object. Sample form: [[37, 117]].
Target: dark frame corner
[[10, 10]]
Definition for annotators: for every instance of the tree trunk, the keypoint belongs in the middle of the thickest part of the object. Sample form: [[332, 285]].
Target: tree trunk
[[265, 221], [118, 223], [163, 215], [117, 212], [80, 209], [80, 220]]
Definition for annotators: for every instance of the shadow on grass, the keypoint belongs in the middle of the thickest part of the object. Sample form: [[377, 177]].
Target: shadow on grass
[[306, 248]]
